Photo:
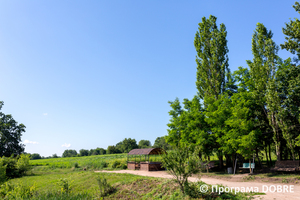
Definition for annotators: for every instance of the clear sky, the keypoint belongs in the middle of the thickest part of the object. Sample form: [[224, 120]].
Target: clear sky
[[87, 74]]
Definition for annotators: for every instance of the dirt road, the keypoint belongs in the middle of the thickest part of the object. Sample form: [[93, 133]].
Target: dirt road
[[291, 192]]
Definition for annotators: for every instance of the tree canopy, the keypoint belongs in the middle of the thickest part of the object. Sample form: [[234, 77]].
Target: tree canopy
[[10, 135]]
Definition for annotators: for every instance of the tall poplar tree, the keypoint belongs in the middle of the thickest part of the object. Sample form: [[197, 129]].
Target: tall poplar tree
[[292, 32], [212, 59], [212, 69]]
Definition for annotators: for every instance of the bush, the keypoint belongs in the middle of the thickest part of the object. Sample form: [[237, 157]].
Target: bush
[[11, 167], [2, 171], [103, 164], [104, 187], [65, 185], [23, 164], [17, 191], [115, 164], [76, 165], [182, 163], [14, 167]]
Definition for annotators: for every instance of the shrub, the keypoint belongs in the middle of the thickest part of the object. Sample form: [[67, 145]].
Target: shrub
[[65, 185], [2, 171], [103, 164], [104, 187], [116, 164], [17, 191], [11, 167], [181, 163], [76, 165], [23, 164]]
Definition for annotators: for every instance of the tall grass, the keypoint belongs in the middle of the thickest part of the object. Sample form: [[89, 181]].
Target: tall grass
[[88, 162]]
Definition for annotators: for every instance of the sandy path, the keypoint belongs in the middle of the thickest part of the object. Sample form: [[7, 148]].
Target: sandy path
[[213, 181]]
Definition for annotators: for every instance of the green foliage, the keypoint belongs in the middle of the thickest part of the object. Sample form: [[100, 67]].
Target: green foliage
[[97, 151], [126, 145], [181, 163], [212, 59], [17, 191], [35, 156], [2, 171], [104, 187], [292, 32], [160, 142], [112, 150], [144, 144], [76, 165], [10, 135], [69, 153], [12, 167], [103, 164], [83, 152], [65, 185], [187, 124], [23, 164], [115, 164]]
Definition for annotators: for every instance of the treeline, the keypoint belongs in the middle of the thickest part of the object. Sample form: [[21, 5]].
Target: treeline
[[251, 112], [123, 146]]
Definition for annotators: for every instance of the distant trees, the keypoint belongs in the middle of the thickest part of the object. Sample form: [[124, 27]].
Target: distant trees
[[83, 152], [144, 144], [69, 153], [160, 142], [10, 135], [97, 151], [35, 156], [112, 150], [127, 145]]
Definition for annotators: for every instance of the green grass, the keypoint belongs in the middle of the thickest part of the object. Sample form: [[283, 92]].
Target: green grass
[[45, 182], [88, 162]]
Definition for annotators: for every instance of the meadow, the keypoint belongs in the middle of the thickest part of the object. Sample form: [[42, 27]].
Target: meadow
[[65, 178]]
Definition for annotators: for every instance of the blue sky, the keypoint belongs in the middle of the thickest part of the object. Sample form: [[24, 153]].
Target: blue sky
[[87, 74]]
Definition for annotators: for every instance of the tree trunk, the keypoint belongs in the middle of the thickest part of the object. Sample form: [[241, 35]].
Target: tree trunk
[[258, 159], [270, 155], [220, 160], [266, 153]]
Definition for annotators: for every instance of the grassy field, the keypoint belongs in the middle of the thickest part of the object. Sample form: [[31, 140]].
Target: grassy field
[[51, 178], [45, 183], [88, 162]]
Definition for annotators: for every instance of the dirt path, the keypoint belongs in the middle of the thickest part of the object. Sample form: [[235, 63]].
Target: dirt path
[[270, 195]]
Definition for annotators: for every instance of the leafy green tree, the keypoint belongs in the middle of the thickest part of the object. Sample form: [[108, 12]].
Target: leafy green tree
[[212, 59], [54, 156], [292, 32], [35, 156], [127, 145], [97, 151], [83, 152], [112, 150], [144, 144], [262, 71], [160, 142], [23, 164], [213, 74], [187, 126], [69, 153], [10, 135], [181, 163]]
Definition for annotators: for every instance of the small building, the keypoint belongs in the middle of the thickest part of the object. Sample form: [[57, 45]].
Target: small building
[[145, 159]]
